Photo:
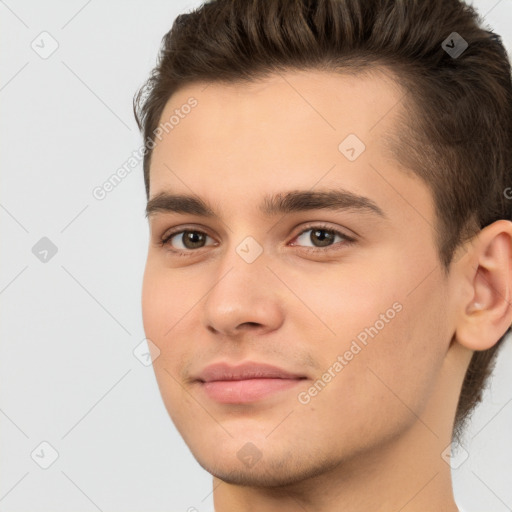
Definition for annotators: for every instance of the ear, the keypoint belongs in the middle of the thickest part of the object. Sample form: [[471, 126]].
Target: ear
[[486, 312]]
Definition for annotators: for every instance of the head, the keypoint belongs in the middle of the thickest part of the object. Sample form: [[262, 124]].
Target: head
[[359, 103]]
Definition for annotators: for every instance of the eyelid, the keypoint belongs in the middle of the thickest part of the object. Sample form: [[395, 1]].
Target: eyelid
[[347, 240], [166, 237], [345, 233]]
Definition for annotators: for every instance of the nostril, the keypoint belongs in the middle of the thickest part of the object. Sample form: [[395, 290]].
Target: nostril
[[255, 324]]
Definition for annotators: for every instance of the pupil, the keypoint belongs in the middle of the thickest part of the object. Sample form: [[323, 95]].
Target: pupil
[[193, 239], [323, 240]]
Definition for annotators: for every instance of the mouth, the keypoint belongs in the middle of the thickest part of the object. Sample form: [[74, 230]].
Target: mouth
[[249, 382]]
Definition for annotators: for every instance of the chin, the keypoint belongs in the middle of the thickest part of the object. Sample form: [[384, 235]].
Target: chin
[[268, 472]]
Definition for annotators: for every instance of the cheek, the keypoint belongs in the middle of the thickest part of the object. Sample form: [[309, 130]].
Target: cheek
[[166, 299], [392, 343], [165, 303], [352, 301], [166, 306], [155, 302], [410, 361]]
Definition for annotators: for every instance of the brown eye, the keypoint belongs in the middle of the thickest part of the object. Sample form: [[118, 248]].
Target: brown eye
[[319, 237], [186, 240], [322, 237], [193, 239]]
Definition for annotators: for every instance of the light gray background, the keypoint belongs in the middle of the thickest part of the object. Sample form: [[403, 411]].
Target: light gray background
[[69, 326]]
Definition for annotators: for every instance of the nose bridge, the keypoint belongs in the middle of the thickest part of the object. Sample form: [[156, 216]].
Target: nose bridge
[[244, 255]]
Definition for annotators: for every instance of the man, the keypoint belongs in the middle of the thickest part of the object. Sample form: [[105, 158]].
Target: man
[[329, 269]]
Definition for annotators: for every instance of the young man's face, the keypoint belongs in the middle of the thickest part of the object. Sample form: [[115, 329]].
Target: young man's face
[[369, 321]]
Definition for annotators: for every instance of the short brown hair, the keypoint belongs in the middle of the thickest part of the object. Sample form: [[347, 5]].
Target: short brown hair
[[458, 140]]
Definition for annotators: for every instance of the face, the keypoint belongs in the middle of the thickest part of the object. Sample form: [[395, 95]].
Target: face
[[338, 289]]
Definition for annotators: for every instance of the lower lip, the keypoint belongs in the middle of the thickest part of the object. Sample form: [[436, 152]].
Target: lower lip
[[242, 391]]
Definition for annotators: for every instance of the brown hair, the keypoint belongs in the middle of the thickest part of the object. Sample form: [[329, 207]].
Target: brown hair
[[459, 138]]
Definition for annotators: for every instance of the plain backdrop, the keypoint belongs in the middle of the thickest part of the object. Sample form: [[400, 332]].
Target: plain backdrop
[[74, 395]]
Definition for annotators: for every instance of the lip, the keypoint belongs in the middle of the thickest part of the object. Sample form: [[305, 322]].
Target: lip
[[248, 370], [247, 382]]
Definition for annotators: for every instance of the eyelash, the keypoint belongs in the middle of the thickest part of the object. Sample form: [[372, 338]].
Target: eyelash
[[347, 240]]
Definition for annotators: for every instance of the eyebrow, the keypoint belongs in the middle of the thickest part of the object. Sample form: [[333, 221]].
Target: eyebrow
[[278, 204]]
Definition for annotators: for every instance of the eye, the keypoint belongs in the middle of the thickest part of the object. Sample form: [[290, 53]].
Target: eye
[[322, 237], [189, 239]]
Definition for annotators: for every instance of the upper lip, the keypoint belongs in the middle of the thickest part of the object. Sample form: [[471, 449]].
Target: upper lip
[[248, 370]]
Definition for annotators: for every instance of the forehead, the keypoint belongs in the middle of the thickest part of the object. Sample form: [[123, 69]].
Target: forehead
[[288, 130], [303, 104]]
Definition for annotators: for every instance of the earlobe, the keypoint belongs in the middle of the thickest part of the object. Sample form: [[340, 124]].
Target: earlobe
[[487, 315]]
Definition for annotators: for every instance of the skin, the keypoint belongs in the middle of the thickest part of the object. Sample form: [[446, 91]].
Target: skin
[[372, 439]]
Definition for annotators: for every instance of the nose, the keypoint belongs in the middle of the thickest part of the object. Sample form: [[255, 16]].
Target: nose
[[245, 297]]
